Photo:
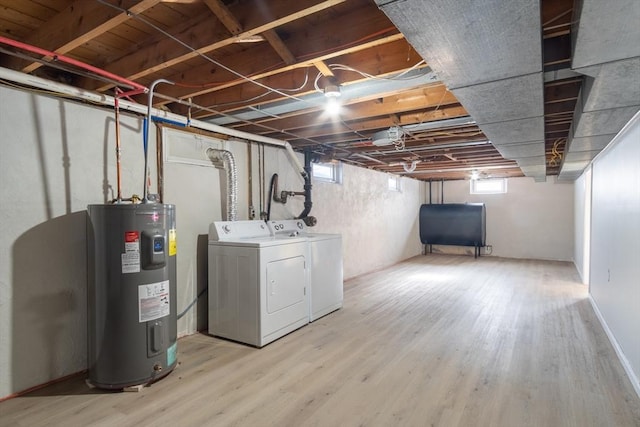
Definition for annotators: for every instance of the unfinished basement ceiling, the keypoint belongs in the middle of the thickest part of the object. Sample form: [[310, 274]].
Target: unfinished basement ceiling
[[448, 87]]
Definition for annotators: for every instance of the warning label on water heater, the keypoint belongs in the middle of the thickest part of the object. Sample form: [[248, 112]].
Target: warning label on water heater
[[153, 301], [131, 255]]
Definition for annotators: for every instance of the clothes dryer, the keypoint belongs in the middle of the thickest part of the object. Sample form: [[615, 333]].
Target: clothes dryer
[[325, 269], [257, 282]]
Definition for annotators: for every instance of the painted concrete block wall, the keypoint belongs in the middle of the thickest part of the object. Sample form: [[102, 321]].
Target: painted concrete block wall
[[615, 243], [379, 226], [532, 220], [57, 157]]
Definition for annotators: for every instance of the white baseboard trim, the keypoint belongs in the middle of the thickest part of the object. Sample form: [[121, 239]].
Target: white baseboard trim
[[625, 363]]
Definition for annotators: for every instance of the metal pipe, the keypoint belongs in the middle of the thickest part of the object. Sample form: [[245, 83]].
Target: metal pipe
[[272, 183], [260, 182], [71, 61], [304, 215], [252, 211], [147, 123], [229, 165], [118, 149], [466, 168], [28, 79]]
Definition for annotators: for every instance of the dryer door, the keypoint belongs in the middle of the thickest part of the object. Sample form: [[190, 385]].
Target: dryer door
[[285, 283]]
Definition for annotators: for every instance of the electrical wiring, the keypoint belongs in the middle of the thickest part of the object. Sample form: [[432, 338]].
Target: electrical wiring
[[255, 98], [556, 156], [238, 119], [200, 54], [342, 67]]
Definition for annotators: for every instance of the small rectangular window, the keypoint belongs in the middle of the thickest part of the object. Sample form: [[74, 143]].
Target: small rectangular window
[[488, 186], [394, 183], [329, 172]]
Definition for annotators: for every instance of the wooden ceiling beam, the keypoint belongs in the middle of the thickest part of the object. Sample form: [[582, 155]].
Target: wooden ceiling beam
[[79, 23], [234, 26], [358, 109], [372, 125], [368, 60], [259, 63], [225, 16], [279, 46], [168, 53], [323, 68]]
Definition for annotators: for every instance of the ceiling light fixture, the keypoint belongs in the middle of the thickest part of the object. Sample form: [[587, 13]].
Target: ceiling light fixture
[[332, 92]]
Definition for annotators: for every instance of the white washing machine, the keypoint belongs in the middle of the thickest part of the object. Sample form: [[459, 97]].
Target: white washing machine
[[325, 270], [257, 282]]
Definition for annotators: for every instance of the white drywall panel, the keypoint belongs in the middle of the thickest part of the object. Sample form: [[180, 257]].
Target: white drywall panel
[[532, 220], [615, 242], [57, 157], [582, 224]]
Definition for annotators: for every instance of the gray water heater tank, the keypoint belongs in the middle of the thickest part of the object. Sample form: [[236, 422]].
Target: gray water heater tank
[[132, 325]]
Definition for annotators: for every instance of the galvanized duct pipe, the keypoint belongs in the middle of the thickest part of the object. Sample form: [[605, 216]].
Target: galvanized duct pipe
[[224, 159]]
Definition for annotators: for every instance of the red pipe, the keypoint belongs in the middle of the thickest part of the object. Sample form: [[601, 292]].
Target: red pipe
[[71, 61]]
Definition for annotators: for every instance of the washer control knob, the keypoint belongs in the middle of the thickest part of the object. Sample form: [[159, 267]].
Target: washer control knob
[[226, 228], [299, 224]]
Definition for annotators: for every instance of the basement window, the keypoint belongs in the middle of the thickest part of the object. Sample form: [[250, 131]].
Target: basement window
[[394, 183], [488, 186], [327, 172]]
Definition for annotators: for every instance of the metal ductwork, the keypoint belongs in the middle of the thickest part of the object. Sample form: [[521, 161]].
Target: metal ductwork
[[607, 51], [225, 160], [501, 88]]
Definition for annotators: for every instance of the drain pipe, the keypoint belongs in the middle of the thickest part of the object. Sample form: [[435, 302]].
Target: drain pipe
[[304, 215], [224, 159]]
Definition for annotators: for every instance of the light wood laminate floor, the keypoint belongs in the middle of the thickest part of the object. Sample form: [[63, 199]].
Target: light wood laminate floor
[[434, 341]]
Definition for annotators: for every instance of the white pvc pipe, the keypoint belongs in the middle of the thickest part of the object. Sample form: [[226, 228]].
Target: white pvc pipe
[[99, 98]]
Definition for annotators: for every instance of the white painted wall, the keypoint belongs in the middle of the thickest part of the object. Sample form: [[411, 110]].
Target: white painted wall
[[379, 227], [57, 157], [582, 224], [615, 244], [532, 220]]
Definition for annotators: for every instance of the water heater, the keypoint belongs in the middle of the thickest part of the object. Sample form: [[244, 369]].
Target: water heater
[[132, 325]]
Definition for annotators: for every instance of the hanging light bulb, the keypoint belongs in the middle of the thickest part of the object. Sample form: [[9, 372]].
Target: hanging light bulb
[[332, 107], [332, 93]]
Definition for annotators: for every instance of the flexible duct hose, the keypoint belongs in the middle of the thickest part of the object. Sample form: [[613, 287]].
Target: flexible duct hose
[[229, 165]]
